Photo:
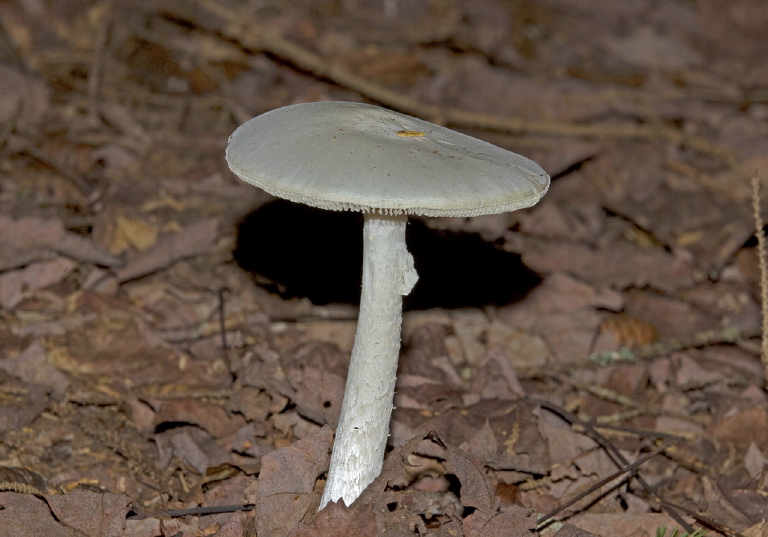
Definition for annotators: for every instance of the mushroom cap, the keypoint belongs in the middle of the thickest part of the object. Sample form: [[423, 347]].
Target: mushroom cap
[[353, 156]]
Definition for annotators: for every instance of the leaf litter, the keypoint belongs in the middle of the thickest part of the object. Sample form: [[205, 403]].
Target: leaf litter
[[149, 386]]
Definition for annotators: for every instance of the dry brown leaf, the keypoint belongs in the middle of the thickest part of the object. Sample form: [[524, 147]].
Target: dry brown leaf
[[130, 232], [564, 445], [336, 519], [629, 524], [483, 444], [569, 530], [24, 515], [194, 239], [562, 293], [390, 68], [189, 449], [91, 514], [742, 427], [32, 366], [755, 462], [108, 345], [630, 331], [286, 492], [721, 508], [516, 521], [14, 285], [212, 417], [648, 48], [18, 408], [34, 239], [318, 394], [670, 316], [475, 490], [735, 34], [618, 265], [235, 526], [24, 99], [523, 350]]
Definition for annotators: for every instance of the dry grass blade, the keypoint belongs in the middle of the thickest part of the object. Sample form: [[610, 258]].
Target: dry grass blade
[[761, 255]]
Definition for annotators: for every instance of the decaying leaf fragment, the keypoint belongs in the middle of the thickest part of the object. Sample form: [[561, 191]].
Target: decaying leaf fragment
[[289, 494]]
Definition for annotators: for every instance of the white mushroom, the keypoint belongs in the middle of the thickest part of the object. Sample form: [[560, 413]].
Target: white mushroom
[[351, 156]]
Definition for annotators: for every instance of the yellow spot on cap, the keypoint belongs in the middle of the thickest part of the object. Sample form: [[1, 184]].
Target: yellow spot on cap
[[410, 134]]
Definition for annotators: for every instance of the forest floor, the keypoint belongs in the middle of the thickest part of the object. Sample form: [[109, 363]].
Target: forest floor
[[174, 342]]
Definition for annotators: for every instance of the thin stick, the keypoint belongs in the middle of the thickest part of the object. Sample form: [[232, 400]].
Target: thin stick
[[611, 450], [223, 294], [628, 469], [97, 64], [252, 37], [761, 256]]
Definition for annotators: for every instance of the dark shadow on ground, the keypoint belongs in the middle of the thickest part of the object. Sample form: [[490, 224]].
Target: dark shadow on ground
[[300, 251]]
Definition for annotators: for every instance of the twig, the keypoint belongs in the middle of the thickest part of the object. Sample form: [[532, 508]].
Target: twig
[[612, 451], [223, 295], [199, 511], [97, 62], [701, 519], [255, 38], [27, 149], [761, 256], [706, 338], [629, 469]]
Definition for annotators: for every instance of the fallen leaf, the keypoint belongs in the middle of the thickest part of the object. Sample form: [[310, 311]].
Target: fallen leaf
[[24, 515], [516, 521], [742, 428], [336, 519], [619, 265], [630, 524], [648, 48], [318, 394], [195, 239], [19, 409], [15, 284], [209, 416], [755, 461], [187, 449], [35, 239], [32, 366], [475, 491], [234, 527], [482, 444], [24, 99], [130, 232], [286, 492], [91, 514]]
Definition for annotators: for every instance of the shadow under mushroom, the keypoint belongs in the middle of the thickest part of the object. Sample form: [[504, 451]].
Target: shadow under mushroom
[[299, 251]]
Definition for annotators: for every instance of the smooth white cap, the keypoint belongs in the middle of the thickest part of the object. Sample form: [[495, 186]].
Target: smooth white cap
[[352, 156]]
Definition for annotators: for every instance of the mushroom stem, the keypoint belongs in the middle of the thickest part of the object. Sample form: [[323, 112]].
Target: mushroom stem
[[361, 436]]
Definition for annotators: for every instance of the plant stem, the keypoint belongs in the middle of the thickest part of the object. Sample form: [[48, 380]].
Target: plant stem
[[761, 256]]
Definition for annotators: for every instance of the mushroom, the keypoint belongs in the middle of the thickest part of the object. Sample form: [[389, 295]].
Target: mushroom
[[351, 156]]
